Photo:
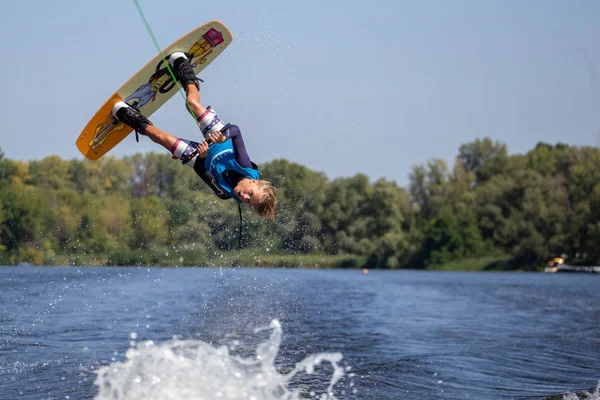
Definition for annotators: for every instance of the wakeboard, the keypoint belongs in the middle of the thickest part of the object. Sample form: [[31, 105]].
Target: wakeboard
[[151, 87]]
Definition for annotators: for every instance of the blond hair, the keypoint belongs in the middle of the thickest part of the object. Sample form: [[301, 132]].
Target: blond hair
[[266, 207]]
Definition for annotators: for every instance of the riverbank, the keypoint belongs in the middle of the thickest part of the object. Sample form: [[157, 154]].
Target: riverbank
[[189, 258], [477, 264], [168, 257]]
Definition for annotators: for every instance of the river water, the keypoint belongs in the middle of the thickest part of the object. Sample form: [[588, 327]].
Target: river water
[[231, 333]]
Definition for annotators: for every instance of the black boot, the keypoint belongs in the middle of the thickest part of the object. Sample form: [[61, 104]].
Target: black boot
[[123, 112], [182, 68]]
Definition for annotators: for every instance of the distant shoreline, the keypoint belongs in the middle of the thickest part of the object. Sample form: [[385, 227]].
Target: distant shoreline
[[249, 258]]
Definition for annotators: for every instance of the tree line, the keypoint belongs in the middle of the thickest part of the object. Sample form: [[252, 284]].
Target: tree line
[[517, 210]]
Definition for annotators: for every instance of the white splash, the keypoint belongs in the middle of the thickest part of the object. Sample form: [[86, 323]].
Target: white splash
[[192, 369], [594, 395]]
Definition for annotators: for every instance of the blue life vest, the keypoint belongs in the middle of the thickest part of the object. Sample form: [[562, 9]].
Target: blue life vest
[[221, 158]]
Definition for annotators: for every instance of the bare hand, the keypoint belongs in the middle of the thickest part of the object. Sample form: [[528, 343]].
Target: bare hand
[[202, 149], [217, 137]]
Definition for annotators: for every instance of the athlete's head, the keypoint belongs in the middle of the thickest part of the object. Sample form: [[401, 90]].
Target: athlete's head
[[260, 195]]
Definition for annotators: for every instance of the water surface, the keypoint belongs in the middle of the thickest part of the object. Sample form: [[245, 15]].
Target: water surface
[[402, 334]]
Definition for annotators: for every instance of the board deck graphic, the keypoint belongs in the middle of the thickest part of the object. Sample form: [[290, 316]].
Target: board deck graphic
[[151, 87]]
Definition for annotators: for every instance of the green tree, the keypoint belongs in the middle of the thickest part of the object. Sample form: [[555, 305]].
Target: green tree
[[19, 174], [65, 204], [443, 241], [484, 158], [115, 216], [389, 223], [7, 170], [149, 223], [51, 172], [344, 224], [188, 224], [301, 195], [546, 158], [105, 176], [27, 217]]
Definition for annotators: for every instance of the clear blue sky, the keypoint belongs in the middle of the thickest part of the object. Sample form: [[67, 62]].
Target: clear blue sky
[[339, 86]]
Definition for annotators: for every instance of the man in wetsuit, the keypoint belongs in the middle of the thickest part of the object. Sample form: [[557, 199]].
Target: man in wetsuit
[[221, 160]]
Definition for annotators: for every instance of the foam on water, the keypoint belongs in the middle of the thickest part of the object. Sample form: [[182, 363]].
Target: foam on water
[[579, 395], [181, 369]]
